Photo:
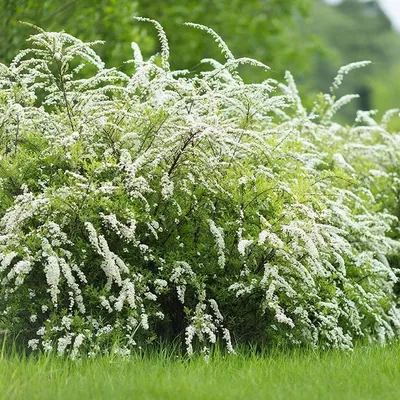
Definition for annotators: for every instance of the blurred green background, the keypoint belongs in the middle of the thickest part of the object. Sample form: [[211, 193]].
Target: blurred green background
[[311, 38]]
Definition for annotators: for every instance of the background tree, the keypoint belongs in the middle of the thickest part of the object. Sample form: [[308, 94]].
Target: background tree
[[354, 30], [256, 28], [108, 20], [260, 29]]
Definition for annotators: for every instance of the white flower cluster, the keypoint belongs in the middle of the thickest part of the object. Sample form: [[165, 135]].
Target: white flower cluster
[[162, 196], [218, 233]]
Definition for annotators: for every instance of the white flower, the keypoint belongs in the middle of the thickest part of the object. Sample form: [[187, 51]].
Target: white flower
[[52, 270], [150, 296], [63, 343], [160, 284], [242, 245], [77, 343], [41, 331], [144, 321], [167, 187], [215, 308], [33, 344], [227, 338], [66, 321], [218, 234]]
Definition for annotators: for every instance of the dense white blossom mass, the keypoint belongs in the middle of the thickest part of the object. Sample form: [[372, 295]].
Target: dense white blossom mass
[[161, 202]]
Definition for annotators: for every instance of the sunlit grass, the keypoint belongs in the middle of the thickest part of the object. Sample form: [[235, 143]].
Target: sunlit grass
[[370, 372]]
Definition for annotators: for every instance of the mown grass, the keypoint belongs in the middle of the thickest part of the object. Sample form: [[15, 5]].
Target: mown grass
[[370, 372]]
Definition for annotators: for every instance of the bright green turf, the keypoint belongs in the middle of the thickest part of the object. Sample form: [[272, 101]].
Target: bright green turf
[[367, 373]]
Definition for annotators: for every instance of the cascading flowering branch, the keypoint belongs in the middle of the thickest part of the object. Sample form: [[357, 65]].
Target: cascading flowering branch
[[162, 202]]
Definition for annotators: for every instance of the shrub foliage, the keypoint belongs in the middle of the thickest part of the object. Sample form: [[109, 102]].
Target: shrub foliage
[[166, 203]]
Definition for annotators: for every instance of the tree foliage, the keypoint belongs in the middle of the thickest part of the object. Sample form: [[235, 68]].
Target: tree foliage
[[270, 24], [109, 20], [352, 31]]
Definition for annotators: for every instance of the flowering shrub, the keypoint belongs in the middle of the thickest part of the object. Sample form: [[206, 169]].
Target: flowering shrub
[[144, 206]]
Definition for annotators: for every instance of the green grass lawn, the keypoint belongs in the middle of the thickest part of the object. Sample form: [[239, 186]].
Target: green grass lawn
[[370, 372]]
